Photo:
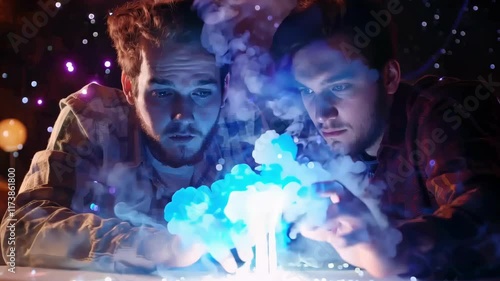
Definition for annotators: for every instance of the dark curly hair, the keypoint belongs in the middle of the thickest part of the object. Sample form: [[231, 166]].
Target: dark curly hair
[[314, 20]]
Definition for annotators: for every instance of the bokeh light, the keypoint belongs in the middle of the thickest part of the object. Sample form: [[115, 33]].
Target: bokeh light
[[70, 66], [13, 135], [94, 207]]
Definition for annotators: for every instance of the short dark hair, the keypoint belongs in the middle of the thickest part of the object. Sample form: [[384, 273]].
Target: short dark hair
[[314, 20]]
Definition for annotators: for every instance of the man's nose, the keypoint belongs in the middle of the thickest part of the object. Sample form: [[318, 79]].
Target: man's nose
[[325, 111], [182, 108]]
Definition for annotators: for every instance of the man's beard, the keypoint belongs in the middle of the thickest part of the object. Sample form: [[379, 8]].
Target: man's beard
[[376, 124], [170, 159]]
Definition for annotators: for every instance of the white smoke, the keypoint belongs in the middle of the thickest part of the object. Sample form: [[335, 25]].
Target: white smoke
[[239, 32]]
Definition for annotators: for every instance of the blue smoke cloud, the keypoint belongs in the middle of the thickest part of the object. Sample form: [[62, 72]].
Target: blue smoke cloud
[[277, 195], [230, 210]]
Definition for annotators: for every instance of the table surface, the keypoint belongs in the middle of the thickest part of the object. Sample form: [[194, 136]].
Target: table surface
[[42, 274]]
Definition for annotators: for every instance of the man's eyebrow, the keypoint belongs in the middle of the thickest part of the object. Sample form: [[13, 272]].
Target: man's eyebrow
[[195, 83], [204, 82], [346, 74], [161, 81]]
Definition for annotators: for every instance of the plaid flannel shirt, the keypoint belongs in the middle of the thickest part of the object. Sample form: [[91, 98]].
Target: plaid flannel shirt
[[85, 197], [440, 158]]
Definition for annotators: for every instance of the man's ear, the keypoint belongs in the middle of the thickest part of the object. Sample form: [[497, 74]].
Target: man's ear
[[127, 88], [225, 89], [392, 76]]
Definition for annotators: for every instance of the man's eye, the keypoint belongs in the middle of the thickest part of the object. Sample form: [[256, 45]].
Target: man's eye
[[340, 87], [306, 91], [202, 93], [162, 93]]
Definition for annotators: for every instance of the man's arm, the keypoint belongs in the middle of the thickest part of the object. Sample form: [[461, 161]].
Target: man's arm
[[462, 237], [50, 234]]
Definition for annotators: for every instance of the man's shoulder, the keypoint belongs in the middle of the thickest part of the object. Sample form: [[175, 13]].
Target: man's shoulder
[[446, 102], [99, 111], [435, 90], [97, 102], [95, 97]]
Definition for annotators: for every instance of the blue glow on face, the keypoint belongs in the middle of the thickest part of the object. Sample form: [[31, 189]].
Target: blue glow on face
[[231, 208]]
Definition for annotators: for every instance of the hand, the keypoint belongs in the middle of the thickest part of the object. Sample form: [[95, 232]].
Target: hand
[[353, 231], [163, 248], [225, 257]]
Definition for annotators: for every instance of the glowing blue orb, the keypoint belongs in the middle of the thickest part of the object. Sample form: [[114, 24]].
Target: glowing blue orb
[[223, 214]]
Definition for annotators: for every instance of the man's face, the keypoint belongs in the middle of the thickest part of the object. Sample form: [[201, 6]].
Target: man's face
[[342, 95], [178, 101]]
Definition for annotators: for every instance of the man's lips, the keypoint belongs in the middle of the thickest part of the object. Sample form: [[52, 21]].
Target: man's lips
[[334, 133], [181, 137]]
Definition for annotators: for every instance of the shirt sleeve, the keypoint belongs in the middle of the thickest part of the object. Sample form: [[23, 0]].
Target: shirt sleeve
[[460, 134], [49, 233]]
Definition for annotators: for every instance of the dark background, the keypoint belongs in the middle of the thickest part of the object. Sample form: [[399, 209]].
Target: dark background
[[465, 42]]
